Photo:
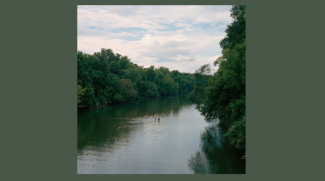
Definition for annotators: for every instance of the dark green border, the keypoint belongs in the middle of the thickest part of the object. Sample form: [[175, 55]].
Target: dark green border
[[285, 87]]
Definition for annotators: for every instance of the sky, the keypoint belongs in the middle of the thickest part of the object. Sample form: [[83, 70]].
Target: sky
[[177, 37]]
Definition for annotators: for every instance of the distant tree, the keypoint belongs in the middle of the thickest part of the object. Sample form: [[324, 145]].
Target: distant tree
[[131, 74], [150, 72], [112, 80], [107, 77], [127, 90], [114, 67], [88, 98], [125, 62], [118, 98], [153, 90], [81, 92], [171, 86], [143, 88]]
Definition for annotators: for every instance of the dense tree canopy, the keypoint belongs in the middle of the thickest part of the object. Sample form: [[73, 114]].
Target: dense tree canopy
[[106, 77], [223, 94]]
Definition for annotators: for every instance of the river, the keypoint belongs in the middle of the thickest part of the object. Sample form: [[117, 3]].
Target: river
[[126, 139]]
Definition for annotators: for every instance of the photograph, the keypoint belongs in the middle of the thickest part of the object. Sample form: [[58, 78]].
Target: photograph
[[161, 89]]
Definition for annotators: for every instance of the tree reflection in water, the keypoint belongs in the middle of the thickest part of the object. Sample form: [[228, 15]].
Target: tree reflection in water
[[216, 155]]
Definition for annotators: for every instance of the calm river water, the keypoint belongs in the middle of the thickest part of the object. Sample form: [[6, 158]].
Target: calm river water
[[126, 139]]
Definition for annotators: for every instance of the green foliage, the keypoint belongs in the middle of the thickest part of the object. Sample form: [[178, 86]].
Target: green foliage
[[153, 90], [125, 62], [101, 97], [223, 94], [131, 74], [237, 133], [81, 92], [113, 78], [236, 32], [237, 107], [143, 88], [164, 70], [169, 84], [199, 94], [118, 98], [88, 98], [114, 67], [108, 94], [151, 73], [127, 90]]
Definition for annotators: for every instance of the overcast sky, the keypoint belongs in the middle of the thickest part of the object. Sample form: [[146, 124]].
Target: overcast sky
[[178, 37]]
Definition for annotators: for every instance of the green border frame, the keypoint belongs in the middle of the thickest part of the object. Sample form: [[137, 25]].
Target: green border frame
[[284, 91]]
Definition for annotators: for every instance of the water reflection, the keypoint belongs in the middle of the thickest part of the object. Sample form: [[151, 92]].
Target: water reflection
[[216, 155], [105, 128], [127, 139]]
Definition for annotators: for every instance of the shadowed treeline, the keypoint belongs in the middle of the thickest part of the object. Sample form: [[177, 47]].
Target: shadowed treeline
[[216, 155], [223, 94]]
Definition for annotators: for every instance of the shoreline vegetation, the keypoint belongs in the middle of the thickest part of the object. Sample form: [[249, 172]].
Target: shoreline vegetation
[[106, 78], [223, 95], [143, 98]]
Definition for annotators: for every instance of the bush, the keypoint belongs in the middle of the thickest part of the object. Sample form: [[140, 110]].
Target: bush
[[118, 98], [237, 133]]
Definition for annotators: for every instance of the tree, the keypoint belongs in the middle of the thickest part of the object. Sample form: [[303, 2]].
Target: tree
[[112, 80], [171, 86], [199, 94], [236, 32], [127, 90], [223, 94], [81, 92], [108, 77], [143, 88], [88, 99], [151, 73], [237, 133], [125, 62], [114, 67], [152, 90], [131, 74], [118, 98], [98, 79]]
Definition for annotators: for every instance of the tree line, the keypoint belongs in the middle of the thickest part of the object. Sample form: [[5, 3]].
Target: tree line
[[223, 95], [106, 78]]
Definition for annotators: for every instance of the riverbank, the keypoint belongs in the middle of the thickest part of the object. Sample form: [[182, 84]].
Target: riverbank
[[141, 98]]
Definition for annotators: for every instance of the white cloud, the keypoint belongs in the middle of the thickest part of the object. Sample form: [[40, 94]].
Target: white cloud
[[89, 32], [177, 37]]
